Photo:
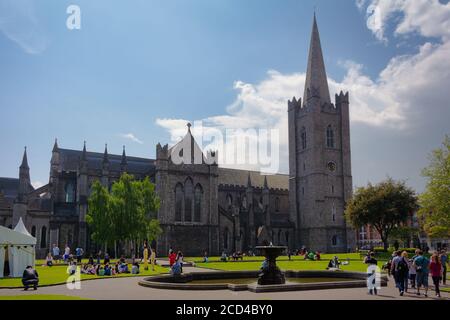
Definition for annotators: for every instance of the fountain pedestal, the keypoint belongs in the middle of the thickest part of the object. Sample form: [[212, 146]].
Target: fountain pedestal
[[271, 274]]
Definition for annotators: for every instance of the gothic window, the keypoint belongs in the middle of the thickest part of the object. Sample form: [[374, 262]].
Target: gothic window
[[178, 202], [287, 238], [277, 204], [198, 203], [244, 202], [279, 237], [330, 137], [303, 138], [229, 201], [332, 189], [69, 192], [188, 197], [43, 237], [33, 231], [334, 241]]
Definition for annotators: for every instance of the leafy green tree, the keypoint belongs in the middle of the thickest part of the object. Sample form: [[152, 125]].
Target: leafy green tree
[[386, 206], [125, 215], [99, 214], [435, 201]]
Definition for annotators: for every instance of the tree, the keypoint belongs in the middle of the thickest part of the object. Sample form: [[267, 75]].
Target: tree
[[99, 214], [435, 201], [385, 206], [126, 214]]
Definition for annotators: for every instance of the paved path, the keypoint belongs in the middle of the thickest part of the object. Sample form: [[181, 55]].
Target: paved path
[[128, 289]]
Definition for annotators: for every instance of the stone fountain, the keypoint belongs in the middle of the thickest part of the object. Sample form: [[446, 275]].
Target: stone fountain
[[271, 274]]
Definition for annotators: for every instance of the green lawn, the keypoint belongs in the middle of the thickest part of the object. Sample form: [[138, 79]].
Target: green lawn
[[354, 265], [41, 297], [324, 257], [57, 275]]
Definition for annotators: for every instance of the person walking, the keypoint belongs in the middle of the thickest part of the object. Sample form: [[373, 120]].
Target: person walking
[[436, 272], [399, 269], [179, 260], [407, 270], [444, 261], [421, 264], [371, 276], [153, 258]]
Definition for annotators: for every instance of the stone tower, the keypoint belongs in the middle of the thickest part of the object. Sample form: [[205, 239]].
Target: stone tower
[[21, 202], [319, 160]]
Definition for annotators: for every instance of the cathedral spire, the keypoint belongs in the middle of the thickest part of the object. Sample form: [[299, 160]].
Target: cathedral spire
[[83, 154], [55, 146], [316, 77], [124, 159], [105, 155], [24, 164]]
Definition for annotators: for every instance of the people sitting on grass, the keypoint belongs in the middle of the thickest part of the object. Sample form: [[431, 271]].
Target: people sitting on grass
[[107, 258], [237, 256], [49, 260], [334, 264], [310, 256], [180, 260], [176, 269], [30, 278], [108, 270], [205, 257], [135, 268], [317, 256], [72, 268], [91, 260], [224, 257]]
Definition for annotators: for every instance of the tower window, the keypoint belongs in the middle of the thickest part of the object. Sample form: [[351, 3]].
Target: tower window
[[178, 202], [277, 204], [33, 231], [334, 241], [303, 138], [333, 212], [188, 195], [198, 203], [229, 201], [330, 137], [69, 192]]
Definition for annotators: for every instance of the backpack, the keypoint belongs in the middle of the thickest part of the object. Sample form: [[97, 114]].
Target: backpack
[[402, 266]]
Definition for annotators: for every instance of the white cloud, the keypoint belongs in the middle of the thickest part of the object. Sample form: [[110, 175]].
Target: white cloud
[[18, 22], [429, 18], [132, 137], [397, 117], [37, 184]]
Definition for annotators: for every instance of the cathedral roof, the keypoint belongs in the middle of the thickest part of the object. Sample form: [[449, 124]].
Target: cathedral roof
[[9, 187], [236, 177], [70, 160], [316, 77]]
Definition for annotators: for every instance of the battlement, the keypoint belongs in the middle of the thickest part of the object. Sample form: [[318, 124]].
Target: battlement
[[162, 152], [342, 98]]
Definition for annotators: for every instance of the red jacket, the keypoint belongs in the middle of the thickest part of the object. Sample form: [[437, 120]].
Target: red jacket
[[435, 269], [172, 259]]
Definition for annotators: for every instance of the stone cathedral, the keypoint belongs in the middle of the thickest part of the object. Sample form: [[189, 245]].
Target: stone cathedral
[[205, 207]]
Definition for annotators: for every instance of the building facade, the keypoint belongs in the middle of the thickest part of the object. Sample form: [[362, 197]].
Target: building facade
[[205, 207]]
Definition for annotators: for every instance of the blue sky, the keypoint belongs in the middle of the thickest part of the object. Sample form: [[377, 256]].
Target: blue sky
[[134, 62]]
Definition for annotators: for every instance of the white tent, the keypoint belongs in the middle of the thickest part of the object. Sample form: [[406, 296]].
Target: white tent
[[19, 246]]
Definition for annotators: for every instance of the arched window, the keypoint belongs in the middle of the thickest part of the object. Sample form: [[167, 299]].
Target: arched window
[[244, 202], [334, 241], [178, 202], [225, 238], [43, 237], [279, 237], [69, 192], [287, 238], [330, 137], [188, 197], [277, 204], [229, 201], [303, 137], [33, 231], [198, 203]]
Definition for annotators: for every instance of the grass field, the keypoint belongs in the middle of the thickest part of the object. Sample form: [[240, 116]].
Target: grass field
[[284, 265], [58, 275], [324, 257], [41, 297]]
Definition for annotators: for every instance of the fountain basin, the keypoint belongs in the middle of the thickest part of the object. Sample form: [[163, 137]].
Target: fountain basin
[[241, 281]]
